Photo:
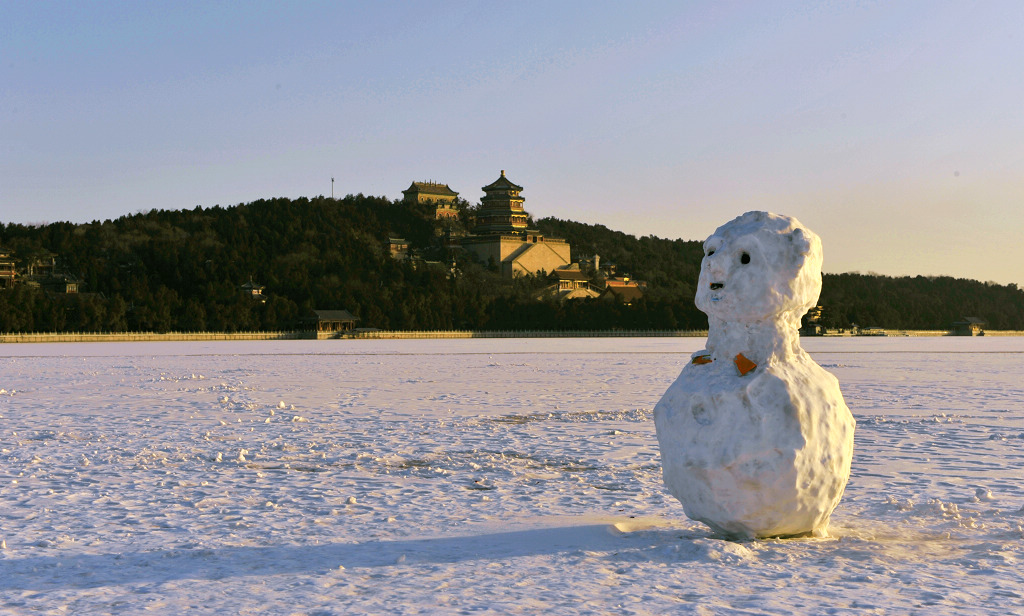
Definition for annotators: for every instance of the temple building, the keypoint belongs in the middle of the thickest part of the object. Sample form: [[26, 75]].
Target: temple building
[[501, 208], [568, 282], [440, 195], [623, 290], [501, 237], [8, 271], [255, 291]]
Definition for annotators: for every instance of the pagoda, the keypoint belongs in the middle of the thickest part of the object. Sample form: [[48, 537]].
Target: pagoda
[[502, 240], [501, 208]]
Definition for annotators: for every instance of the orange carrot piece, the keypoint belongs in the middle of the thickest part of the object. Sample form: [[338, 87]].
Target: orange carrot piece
[[743, 364]]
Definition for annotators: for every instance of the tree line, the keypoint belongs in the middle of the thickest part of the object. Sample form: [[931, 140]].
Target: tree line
[[183, 270]]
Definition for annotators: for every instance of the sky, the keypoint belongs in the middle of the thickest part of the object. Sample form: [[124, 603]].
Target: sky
[[894, 130]]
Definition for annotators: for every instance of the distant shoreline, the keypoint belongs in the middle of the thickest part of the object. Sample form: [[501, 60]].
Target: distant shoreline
[[151, 336], [404, 335], [308, 335]]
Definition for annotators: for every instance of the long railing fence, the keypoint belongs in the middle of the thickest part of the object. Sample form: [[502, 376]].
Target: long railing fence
[[399, 334]]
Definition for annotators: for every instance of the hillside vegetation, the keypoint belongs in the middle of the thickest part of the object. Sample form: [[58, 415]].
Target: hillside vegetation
[[183, 270]]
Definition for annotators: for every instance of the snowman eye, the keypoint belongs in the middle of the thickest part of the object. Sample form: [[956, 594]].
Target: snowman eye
[[744, 258]]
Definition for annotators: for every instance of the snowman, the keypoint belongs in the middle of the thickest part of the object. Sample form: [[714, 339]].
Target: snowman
[[755, 438]]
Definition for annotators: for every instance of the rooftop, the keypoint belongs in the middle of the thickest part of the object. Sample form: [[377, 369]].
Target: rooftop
[[502, 183]]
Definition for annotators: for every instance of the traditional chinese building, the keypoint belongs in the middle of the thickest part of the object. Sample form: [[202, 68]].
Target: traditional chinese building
[[40, 265], [331, 321], [970, 326], [255, 291], [501, 237], [7, 269], [398, 248], [623, 290], [501, 208], [568, 282], [813, 324], [439, 195], [59, 283]]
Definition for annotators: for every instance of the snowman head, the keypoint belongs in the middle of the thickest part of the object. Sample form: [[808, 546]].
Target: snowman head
[[760, 266]]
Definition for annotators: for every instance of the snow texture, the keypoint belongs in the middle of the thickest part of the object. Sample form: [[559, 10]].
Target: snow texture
[[756, 439], [512, 476]]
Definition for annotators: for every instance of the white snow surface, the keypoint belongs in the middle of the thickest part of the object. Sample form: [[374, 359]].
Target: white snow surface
[[480, 476], [765, 450]]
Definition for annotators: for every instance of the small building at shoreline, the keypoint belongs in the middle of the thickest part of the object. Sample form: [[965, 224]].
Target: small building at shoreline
[[331, 321], [969, 326]]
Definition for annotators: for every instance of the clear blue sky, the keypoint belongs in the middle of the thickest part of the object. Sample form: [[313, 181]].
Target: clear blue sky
[[895, 130]]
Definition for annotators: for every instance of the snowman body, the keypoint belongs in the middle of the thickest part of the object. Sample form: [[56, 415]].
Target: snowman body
[[755, 437]]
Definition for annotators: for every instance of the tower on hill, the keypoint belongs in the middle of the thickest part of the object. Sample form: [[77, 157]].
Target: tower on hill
[[501, 237], [501, 208]]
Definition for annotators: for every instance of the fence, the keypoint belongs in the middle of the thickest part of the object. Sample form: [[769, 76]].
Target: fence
[[151, 336], [387, 335], [308, 335], [931, 332], [384, 335]]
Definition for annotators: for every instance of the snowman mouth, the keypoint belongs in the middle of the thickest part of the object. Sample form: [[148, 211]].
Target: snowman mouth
[[717, 285]]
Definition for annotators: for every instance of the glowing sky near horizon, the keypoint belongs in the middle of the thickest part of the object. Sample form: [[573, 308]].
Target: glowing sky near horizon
[[894, 130]]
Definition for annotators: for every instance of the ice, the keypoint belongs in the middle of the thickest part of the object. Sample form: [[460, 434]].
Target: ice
[[756, 439], [576, 520]]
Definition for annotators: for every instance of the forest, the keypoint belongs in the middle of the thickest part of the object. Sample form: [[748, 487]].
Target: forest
[[183, 270]]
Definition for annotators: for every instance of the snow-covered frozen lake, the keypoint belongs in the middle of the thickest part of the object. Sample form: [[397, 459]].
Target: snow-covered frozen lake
[[480, 476]]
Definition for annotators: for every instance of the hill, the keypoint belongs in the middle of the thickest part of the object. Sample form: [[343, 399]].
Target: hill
[[184, 270]]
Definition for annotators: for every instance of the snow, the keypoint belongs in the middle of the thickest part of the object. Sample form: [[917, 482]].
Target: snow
[[484, 476], [755, 437]]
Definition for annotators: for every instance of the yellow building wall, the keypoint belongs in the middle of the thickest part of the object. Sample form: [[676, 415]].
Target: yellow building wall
[[517, 257], [438, 199], [537, 258], [484, 251]]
